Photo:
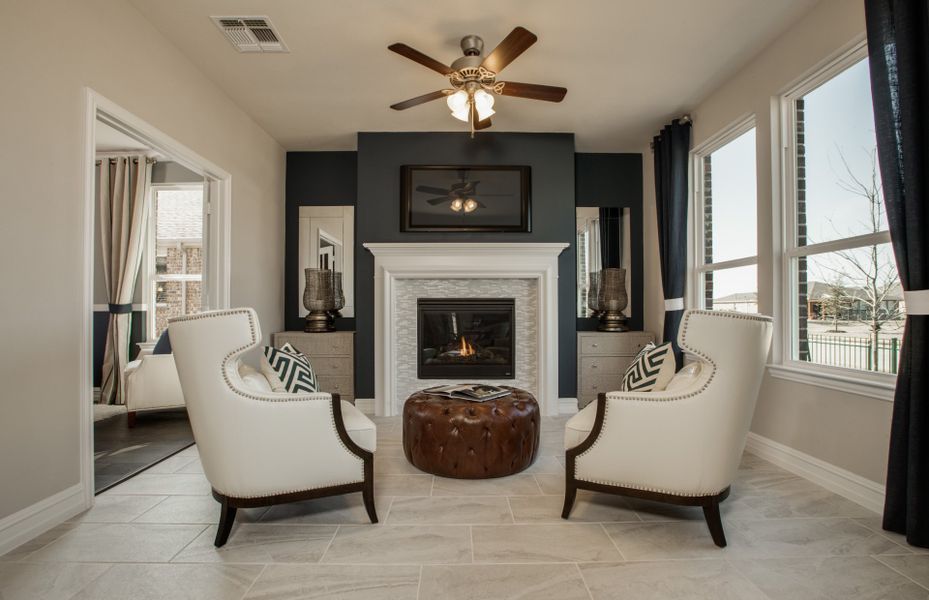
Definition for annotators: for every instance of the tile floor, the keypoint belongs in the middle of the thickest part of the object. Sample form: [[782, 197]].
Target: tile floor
[[447, 539]]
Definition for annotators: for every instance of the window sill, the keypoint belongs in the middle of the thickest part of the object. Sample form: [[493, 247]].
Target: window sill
[[879, 388]]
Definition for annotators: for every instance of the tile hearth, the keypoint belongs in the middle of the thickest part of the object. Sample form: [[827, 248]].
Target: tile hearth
[[449, 539]]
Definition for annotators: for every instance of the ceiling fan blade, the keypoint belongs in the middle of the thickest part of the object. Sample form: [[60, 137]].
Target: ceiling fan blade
[[506, 51], [549, 93], [418, 100], [485, 124], [428, 189], [417, 56], [438, 201]]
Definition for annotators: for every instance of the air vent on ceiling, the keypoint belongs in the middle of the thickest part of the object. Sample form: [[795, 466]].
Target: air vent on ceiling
[[251, 34]]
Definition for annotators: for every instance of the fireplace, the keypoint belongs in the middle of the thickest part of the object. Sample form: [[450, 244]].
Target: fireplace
[[465, 338]]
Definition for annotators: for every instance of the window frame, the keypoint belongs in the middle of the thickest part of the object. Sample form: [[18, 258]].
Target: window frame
[[149, 273], [784, 366], [697, 266]]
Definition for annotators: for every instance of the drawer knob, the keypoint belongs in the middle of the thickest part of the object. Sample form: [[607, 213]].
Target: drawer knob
[[594, 345], [594, 366]]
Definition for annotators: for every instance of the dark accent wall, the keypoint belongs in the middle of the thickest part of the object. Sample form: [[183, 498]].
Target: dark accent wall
[[550, 157], [314, 179], [370, 180], [615, 180]]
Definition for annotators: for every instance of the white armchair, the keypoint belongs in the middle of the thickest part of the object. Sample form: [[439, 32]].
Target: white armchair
[[152, 384], [260, 447], [682, 446]]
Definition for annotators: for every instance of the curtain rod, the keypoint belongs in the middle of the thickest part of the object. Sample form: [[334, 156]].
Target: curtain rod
[[113, 160], [684, 119]]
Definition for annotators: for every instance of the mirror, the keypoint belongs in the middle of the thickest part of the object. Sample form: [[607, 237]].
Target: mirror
[[327, 241], [602, 241]]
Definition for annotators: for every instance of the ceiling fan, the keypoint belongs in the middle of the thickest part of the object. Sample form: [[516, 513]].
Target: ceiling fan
[[460, 195], [474, 78]]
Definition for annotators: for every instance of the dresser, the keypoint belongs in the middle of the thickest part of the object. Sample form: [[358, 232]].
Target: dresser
[[332, 356], [602, 359]]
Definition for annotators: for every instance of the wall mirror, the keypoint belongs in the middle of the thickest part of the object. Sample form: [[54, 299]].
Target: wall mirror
[[603, 240], [327, 241]]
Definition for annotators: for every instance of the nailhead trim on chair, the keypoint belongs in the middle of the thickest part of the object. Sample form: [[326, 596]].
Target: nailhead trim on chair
[[682, 335], [267, 398]]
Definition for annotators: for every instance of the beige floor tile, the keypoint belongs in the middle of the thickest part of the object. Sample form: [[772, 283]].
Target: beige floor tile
[[542, 543], [546, 464], [394, 465], [915, 566], [118, 542], [874, 524], [109, 508], [389, 450], [172, 582], [341, 582], [194, 509], [669, 580], [27, 581], [838, 578], [502, 582], [167, 484], [400, 544], [194, 466], [173, 464], [589, 508], [347, 509], [450, 510], [673, 540], [522, 485], [261, 543], [402, 485], [551, 483], [37, 543], [806, 537]]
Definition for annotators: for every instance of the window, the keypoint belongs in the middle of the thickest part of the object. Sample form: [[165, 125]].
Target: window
[[844, 304], [176, 254], [725, 273]]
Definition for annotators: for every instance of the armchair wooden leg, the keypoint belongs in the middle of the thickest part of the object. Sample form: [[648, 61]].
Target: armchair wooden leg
[[570, 493], [130, 419], [714, 522], [368, 496], [226, 519]]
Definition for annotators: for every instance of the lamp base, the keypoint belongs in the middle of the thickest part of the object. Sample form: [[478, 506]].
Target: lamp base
[[612, 320], [319, 321]]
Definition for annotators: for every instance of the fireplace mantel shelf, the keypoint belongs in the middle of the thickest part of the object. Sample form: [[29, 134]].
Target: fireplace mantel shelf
[[515, 260]]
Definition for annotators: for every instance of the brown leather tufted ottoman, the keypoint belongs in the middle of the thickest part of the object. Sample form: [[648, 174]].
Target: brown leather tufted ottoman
[[471, 440]]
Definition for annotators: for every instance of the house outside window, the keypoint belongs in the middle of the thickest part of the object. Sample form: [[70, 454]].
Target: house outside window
[[724, 275], [843, 300], [176, 251]]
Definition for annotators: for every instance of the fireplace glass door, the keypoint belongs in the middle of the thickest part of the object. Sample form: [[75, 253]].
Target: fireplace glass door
[[465, 339]]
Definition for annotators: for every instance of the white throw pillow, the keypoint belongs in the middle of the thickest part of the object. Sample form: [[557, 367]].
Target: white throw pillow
[[253, 379], [651, 370], [685, 377]]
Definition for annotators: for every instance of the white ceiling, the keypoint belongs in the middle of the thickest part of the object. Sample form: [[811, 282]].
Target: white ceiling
[[629, 65]]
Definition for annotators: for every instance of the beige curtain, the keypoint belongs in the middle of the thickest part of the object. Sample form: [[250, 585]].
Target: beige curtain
[[122, 199]]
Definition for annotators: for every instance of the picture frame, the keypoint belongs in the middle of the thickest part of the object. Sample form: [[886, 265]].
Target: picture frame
[[465, 198]]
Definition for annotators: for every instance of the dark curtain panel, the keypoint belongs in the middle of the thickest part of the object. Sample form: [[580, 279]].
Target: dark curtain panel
[[898, 48], [672, 161], [611, 240]]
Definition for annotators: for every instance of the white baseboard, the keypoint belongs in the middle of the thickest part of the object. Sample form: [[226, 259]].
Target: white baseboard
[[33, 521], [567, 406], [365, 405], [856, 488]]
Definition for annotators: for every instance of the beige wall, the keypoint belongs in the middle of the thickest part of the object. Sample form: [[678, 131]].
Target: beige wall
[[844, 429], [52, 49]]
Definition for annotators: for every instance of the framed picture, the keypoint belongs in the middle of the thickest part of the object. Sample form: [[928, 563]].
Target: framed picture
[[464, 198]]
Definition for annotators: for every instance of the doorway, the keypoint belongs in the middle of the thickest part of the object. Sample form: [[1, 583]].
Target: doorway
[[184, 269]]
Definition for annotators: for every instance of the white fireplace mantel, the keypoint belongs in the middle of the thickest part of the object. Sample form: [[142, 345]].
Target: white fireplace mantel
[[393, 261]]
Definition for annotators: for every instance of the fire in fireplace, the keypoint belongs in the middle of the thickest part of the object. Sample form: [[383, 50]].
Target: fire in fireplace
[[460, 338]]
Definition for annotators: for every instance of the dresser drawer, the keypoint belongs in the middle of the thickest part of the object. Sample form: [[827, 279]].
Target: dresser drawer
[[593, 385], [596, 366], [337, 385], [324, 344], [616, 344], [332, 365]]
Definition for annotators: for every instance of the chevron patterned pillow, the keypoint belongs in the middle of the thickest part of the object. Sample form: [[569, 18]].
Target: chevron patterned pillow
[[292, 368], [651, 370]]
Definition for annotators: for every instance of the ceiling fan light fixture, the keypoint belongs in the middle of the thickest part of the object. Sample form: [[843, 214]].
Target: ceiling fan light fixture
[[463, 114], [470, 205], [457, 101], [483, 103], [456, 205]]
